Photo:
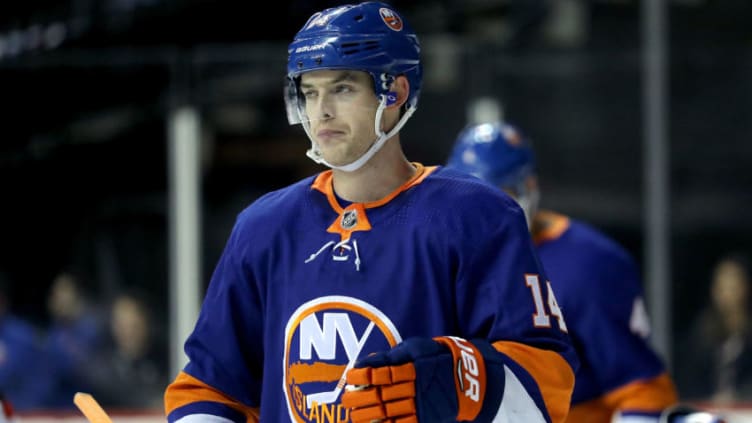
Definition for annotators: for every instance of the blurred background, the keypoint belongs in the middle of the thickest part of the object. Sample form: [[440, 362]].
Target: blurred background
[[134, 131]]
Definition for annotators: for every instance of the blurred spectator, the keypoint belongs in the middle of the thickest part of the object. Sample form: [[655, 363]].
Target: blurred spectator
[[716, 362], [130, 371], [23, 376], [74, 335]]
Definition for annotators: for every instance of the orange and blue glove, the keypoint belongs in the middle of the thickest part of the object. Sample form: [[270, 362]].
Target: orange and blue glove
[[444, 379]]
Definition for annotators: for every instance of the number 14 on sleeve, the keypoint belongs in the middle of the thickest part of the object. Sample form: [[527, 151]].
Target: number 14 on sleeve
[[541, 318]]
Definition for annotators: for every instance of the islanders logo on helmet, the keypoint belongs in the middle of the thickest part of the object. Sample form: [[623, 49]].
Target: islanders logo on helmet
[[323, 339], [391, 19], [495, 152]]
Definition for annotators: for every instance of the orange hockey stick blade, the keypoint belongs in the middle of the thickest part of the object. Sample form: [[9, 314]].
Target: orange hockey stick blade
[[90, 408]]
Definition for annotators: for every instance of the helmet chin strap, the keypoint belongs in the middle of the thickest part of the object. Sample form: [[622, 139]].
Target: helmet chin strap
[[314, 153]]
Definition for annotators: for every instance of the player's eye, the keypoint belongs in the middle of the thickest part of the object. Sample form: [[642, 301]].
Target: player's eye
[[343, 89], [309, 94]]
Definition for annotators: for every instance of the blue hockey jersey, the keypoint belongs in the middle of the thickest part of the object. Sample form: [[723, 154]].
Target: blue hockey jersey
[[600, 291], [306, 285]]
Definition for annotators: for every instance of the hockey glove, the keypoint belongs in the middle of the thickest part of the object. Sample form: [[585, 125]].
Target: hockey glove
[[444, 379]]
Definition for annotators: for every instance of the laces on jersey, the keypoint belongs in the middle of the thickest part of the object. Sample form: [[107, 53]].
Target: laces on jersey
[[339, 251]]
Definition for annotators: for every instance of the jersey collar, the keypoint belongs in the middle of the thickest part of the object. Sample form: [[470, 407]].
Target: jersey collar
[[324, 184]]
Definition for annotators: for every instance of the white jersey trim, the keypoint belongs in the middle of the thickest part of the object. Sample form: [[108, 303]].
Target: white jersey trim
[[618, 418], [203, 418], [516, 404]]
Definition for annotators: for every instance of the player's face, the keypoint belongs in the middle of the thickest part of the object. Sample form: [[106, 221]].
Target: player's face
[[340, 107]]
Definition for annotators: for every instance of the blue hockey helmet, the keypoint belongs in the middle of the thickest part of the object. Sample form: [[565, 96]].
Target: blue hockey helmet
[[495, 152], [371, 37], [499, 154]]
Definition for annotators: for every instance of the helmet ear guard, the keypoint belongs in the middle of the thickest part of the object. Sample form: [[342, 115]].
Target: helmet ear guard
[[391, 98], [399, 93]]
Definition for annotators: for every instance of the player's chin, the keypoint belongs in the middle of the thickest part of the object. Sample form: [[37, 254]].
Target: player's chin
[[338, 163], [338, 159]]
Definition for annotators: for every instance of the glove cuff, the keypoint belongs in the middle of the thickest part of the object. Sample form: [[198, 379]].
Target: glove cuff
[[469, 376]]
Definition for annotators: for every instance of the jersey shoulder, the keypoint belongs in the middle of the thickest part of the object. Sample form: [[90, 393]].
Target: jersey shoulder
[[585, 259], [275, 205], [468, 208], [462, 193], [574, 237], [598, 244], [283, 209]]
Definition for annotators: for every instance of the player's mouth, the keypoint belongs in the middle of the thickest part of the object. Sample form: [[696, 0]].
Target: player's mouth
[[326, 135]]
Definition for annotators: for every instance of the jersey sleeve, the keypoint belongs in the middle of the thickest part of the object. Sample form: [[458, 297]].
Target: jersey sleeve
[[503, 297], [613, 327], [222, 380]]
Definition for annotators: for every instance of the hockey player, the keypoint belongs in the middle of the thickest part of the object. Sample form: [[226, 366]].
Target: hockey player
[[381, 289], [597, 284]]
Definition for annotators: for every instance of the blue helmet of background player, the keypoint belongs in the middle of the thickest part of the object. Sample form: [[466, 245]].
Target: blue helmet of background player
[[499, 154], [370, 37]]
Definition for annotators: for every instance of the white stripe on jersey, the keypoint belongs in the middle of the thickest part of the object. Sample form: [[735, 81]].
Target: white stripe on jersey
[[203, 418], [516, 405], [633, 419]]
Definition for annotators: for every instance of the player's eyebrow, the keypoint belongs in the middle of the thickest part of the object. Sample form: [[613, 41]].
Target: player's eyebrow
[[344, 76]]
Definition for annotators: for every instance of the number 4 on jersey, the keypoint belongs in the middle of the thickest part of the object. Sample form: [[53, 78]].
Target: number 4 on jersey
[[540, 317]]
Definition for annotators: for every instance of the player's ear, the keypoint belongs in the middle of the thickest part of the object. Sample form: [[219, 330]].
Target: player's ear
[[398, 92]]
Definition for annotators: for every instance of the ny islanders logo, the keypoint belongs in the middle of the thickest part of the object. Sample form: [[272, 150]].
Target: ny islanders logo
[[391, 19], [323, 339]]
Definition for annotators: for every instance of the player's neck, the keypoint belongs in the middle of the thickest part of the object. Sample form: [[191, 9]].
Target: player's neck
[[386, 171], [540, 223]]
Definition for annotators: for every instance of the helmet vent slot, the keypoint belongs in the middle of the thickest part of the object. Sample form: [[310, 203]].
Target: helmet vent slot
[[357, 47]]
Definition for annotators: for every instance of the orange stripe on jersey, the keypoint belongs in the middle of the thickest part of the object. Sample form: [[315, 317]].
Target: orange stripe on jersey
[[324, 183], [648, 396], [186, 389], [548, 225], [594, 411], [645, 395], [550, 371]]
